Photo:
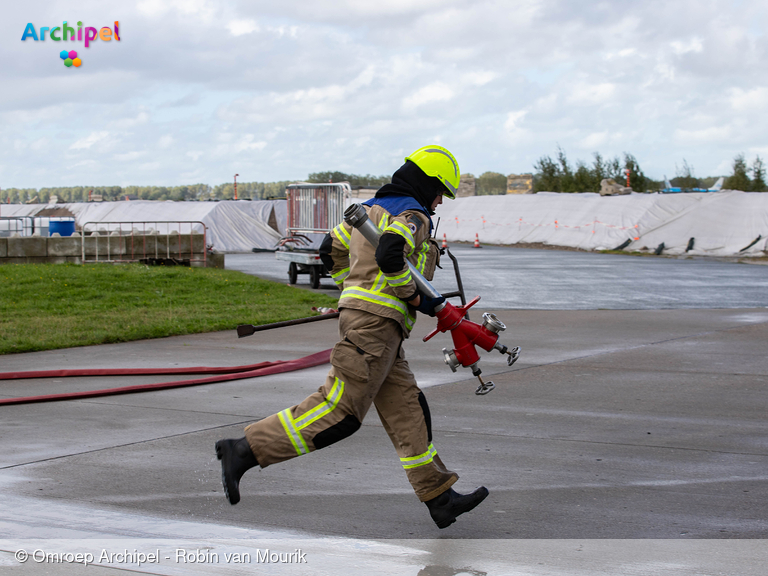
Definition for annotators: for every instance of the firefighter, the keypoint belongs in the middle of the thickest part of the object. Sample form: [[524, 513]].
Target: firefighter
[[378, 305]]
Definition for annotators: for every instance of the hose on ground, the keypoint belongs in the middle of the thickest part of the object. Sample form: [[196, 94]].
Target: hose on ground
[[224, 375]]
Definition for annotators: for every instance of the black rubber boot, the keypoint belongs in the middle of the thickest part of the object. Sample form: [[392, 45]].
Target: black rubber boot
[[450, 504], [236, 457]]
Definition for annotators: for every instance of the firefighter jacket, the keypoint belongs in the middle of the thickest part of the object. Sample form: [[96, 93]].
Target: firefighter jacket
[[355, 269]]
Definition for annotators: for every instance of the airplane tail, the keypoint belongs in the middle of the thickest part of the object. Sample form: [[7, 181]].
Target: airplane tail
[[667, 183], [718, 185]]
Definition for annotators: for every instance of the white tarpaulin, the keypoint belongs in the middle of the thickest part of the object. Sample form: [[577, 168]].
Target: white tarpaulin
[[722, 223], [231, 226]]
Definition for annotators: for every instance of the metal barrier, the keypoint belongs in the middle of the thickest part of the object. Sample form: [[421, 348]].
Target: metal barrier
[[151, 242], [315, 208]]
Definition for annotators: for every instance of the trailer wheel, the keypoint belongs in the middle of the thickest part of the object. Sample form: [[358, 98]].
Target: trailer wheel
[[293, 273], [314, 276]]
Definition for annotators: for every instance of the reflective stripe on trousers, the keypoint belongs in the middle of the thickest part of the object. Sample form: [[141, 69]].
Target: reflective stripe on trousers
[[293, 426], [420, 460]]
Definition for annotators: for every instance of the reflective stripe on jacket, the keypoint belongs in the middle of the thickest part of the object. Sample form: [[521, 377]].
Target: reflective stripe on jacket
[[364, 286]]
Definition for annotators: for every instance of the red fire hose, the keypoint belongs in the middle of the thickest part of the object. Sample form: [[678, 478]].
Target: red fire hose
[[224, 375]]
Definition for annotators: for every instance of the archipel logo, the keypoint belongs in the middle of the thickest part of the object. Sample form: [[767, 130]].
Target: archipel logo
[[70, 57]]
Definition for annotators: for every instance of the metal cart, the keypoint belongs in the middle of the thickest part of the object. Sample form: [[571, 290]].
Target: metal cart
[[313, 210]]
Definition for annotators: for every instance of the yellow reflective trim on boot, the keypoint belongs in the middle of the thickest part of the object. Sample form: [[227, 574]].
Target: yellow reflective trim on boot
[[293, 434], [322, 409], [420, 460]]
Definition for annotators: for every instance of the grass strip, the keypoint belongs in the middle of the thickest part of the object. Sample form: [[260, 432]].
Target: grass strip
[[51, 306]]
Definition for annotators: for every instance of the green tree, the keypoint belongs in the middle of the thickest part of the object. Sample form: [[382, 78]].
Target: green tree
[[567, 181], [684, 177], [739, 180], [758, 176], [599, 171], [583, 178], [491, 183], [637, 180], [546, 175]]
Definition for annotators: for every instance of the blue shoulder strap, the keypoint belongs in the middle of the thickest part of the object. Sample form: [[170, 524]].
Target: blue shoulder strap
[[396, 205]]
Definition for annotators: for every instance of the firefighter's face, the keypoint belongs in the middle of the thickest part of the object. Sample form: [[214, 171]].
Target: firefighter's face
[[437, 201]]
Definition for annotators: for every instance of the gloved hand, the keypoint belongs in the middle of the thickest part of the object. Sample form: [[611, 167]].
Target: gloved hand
[[427, 304]]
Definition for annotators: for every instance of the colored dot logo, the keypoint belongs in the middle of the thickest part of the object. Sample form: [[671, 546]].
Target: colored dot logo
[[70, 58]]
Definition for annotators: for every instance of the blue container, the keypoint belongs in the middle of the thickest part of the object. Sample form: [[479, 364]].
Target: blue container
[[63, 227]]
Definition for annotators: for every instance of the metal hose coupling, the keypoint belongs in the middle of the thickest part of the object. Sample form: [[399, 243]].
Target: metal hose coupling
[[355, 215]]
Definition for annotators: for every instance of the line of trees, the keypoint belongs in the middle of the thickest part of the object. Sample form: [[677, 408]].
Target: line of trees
[[551, 175], [557, 174], [366, 181], [740, 179], [189, 192]]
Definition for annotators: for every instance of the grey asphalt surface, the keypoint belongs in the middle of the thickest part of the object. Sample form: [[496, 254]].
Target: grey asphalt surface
[[622, 442], [530, 279]]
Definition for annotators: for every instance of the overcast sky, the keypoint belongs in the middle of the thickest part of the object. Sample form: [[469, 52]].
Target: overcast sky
[[198, 90]]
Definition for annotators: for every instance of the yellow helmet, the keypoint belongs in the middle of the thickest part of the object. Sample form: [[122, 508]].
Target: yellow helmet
[[436, 161]]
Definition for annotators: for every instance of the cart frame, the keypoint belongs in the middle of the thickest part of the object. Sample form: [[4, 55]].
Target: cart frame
[[312, 209]]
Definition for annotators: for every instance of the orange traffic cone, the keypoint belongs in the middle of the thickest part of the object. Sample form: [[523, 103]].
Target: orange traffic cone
[[445, 242], [477, 242]]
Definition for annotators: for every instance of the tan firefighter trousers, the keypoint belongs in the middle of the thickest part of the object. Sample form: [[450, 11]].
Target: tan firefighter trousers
[[367, 366]]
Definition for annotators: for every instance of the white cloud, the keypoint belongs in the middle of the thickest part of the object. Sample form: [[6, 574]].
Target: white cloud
[[589, 94], [291, 88], [130, 156], [40, 143], [594, 141], [480, 78], [681, 47], [241, 27], [248, 142], [755, 99], [703, 135], [87, 142], [513, 120], [203, 9], [434, 92], [125, 123]]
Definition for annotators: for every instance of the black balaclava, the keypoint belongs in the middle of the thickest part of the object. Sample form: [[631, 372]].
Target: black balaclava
[[409, 180]]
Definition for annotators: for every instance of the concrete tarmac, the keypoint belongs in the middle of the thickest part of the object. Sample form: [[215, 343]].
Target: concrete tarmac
[[622, 442], [526, 278]]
